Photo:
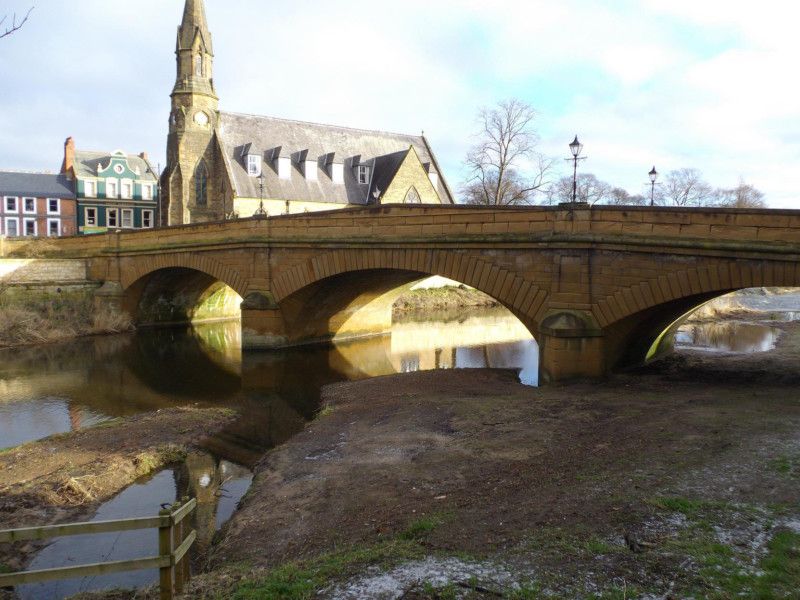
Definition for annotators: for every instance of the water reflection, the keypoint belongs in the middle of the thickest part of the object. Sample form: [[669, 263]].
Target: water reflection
[[731, 336], [217, 485], [64, 387]]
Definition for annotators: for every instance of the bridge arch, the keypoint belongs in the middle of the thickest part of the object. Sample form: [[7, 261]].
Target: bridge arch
[[638, 320], [180, 288]]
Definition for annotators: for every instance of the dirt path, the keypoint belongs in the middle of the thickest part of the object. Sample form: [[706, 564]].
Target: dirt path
[[66, 477], [557, 483]]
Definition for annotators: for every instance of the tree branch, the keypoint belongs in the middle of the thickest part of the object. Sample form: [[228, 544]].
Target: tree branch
[[15, 26]]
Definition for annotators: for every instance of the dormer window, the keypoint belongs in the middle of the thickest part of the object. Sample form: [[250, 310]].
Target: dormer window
[[337, 173], [310, 170], [363, 174], [284, 167], [253, 165]]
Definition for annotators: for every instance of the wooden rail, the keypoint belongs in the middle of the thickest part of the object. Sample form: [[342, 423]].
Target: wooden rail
[[174, 541]]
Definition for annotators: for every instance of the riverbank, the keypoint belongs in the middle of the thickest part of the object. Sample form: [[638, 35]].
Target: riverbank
[[65, 478], [44, 317], [679, 479], [427, 300]]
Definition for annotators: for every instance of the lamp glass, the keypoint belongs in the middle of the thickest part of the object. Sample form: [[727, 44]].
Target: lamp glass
[[575, 147], [653, 175]]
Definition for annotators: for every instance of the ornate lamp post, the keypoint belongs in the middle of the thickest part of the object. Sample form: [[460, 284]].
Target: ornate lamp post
[[575, 149], [653, 176], [261, 212]]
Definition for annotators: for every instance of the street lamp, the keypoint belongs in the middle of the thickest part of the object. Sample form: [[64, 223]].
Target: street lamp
[[575, 148], [261, 212], [653, 176]]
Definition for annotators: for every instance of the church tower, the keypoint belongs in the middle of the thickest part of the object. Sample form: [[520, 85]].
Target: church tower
[[188, 190]]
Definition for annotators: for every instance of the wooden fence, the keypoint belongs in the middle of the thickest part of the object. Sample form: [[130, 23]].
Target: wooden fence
[[174, 542]]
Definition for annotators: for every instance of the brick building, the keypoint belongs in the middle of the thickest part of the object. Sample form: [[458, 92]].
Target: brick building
[[37, 205], [223, 164], [114, 190]]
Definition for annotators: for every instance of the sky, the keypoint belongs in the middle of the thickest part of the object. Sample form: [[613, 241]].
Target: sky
[[703, 84]]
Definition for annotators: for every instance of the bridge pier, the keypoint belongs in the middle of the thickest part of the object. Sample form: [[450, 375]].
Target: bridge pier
[[571, 345], [263, 326]]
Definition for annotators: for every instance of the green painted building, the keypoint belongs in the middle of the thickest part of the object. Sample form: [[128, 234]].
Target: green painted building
[[114, 190]]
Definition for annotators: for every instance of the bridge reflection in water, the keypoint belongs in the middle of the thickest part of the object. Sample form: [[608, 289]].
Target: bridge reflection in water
[[64, 387]]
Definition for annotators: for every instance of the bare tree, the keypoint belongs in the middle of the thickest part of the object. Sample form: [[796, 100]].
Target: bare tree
[[685, 187], [621, 197], [743, 195], [505, 168], [8, 29], [590, 189]]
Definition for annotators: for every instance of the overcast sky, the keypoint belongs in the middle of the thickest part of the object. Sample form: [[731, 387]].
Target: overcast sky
[[676, 83]]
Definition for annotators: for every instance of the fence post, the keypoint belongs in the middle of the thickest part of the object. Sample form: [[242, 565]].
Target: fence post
[[165, 547], [179, 537], [187, 528]]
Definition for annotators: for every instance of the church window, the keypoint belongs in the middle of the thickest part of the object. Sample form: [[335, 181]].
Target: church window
[[198, 65], [363, 174], [412, 197], [253, 165], [201, 184]]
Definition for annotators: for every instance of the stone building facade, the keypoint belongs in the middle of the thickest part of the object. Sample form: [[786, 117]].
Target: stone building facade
[[222, 165]]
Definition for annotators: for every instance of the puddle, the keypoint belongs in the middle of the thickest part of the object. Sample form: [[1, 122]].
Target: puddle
[[218, 487], [745, 338]]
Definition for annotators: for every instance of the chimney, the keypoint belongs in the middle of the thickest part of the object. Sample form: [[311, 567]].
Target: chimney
[[143, 155], [67, 167]]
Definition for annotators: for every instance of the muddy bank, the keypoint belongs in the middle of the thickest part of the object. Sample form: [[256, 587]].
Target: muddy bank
[[678, 479], [64, 478], [429, 300]]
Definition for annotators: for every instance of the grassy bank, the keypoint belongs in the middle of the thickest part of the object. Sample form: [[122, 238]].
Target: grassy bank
[[443, 298], [40, 317]]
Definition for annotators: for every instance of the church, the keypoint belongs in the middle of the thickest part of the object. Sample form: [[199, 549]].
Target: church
[[226, 165]]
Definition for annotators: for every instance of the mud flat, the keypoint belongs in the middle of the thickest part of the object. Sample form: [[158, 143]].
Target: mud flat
[[677, 480], [65, 478]]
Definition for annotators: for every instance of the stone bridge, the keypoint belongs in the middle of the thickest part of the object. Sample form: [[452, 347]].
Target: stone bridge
[[597, 287]]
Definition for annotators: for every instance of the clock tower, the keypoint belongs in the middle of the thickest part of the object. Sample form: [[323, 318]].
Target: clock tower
[[188, 183]]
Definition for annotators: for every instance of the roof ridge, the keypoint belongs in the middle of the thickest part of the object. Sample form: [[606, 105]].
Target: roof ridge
[[109, 154], [27, 172], [241, 114]]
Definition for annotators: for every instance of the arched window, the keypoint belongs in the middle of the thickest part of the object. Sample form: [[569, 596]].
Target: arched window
[[201, 184], [412, 197], [198, 65]]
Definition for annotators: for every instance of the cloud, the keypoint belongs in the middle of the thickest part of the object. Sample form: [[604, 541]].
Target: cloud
[[672, 82]]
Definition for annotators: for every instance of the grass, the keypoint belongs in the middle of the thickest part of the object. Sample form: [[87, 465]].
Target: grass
[[302, 580], [787, 466], [421, 527], [48, 317]]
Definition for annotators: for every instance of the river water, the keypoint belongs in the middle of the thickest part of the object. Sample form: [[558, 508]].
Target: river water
[[64, 387]]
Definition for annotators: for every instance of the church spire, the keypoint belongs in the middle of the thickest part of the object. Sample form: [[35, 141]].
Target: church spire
[[194, 23], [195, 52]]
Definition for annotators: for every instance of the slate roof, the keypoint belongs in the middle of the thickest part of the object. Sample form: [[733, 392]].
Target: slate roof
[[239, 134], [86, 163], [37, 185]]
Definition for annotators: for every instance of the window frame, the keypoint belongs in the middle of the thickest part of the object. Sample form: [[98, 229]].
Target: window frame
[[93, 184], [8, 220], [7, 210], [365, 171], [112, 181], [58, 206], [123, 213], [25, 222], [58, 227], [149, 214], [253, 165], [115, 212], [25, 210], [122, 184], [86, 210], [149, 194]]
